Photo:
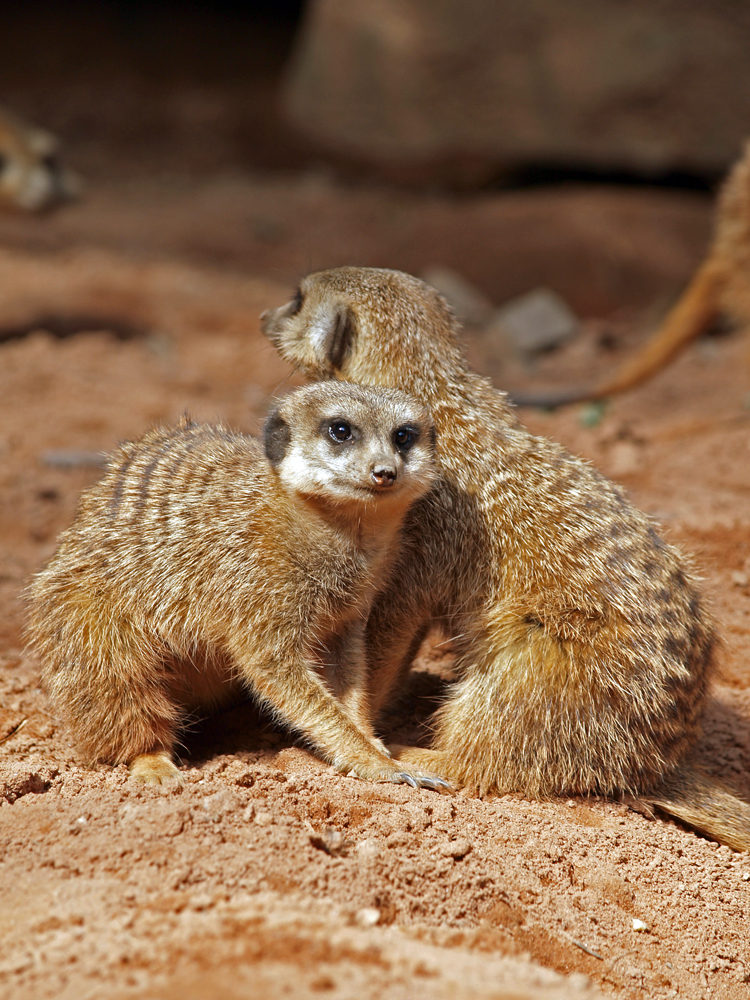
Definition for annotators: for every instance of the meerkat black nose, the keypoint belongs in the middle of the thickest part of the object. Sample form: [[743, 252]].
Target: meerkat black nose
[[383, 475]]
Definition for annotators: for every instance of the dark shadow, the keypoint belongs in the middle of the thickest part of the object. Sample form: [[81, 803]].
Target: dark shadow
[[63, 326], [534, 175], [724, 749], [248, 728]]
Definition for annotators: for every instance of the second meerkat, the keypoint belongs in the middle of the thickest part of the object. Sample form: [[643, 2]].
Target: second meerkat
[[584, 650], [199, 564]]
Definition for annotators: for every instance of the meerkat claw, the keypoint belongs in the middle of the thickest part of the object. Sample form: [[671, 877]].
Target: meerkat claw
[[404, 778], [434, 783]]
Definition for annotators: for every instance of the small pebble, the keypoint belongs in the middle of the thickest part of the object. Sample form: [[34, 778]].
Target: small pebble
[[639, 925], [467, 302], [455, 848], [368, 917], [537, 321], [264, 818], [369, 849], [331, 841]]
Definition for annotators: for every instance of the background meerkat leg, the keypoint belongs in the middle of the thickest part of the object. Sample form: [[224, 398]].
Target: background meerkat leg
[[346, 675], [393, 640], [295, 690]]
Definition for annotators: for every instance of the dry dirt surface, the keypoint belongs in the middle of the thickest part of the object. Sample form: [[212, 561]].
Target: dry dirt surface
[[264, 873]]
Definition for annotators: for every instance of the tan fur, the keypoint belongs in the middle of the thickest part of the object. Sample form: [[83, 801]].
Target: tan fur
[[31, 178], [584, 650], [199, 565], [721, 285]]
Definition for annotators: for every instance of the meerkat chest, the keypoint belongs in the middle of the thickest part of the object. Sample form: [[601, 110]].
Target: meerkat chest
[[338, 576]]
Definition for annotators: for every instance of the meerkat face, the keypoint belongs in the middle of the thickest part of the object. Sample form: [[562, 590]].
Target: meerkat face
[[343, 443], [359, 324], [31, 177]]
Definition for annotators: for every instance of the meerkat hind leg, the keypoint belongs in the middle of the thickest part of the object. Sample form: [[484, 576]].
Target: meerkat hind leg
[[154, 768]]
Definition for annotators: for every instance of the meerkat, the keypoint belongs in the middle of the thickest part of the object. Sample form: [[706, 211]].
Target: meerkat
[[31, 176], [720, 286], [584, 651], [203, 563]]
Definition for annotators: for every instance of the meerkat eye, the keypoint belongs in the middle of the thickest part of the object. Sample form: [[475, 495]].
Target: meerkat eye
[[296, 304], [404, 437], [340, 431]]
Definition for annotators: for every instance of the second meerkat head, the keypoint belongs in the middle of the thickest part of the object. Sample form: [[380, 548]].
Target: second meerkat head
[[357, 323], [341, 443]]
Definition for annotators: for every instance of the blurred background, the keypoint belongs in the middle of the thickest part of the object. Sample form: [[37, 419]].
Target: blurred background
[[304, 134], [435, 91]]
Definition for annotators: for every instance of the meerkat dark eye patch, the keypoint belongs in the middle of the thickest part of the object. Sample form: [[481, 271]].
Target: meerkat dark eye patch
[[341, 338], [340, 431], [296, 304], [405, 437], [276, 437]]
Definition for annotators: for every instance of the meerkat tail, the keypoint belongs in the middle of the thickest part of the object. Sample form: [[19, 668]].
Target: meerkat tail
[[707, 806], [691, 315]]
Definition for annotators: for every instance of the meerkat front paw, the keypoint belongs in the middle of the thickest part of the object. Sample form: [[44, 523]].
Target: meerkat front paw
[[154, 768], [392, 771]]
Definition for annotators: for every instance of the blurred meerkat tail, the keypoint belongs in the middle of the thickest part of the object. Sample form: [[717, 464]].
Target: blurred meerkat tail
[[691, 315], [703, 803], [550, 399]]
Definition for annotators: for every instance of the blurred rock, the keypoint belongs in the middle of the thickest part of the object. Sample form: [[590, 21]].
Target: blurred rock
[[472, 307], [413, 84], [535, 322]]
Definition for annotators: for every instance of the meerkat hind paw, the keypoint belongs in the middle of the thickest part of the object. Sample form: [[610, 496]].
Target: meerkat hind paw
[[416, 777], [431, 761], [154, 769], [422, 779]]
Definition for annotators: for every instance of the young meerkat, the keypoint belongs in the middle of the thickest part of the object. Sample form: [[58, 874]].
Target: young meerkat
[[200, 565], [720, 286], [584, 651]]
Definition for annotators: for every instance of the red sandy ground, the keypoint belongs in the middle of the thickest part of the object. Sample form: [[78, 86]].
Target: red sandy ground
[[264, 873]]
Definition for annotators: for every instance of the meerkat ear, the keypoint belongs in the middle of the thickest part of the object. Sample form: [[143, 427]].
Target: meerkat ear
[[341, 341], [333, 334], [276, 437]]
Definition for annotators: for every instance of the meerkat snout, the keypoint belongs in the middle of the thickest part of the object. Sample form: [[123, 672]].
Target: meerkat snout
[[384, 476]]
